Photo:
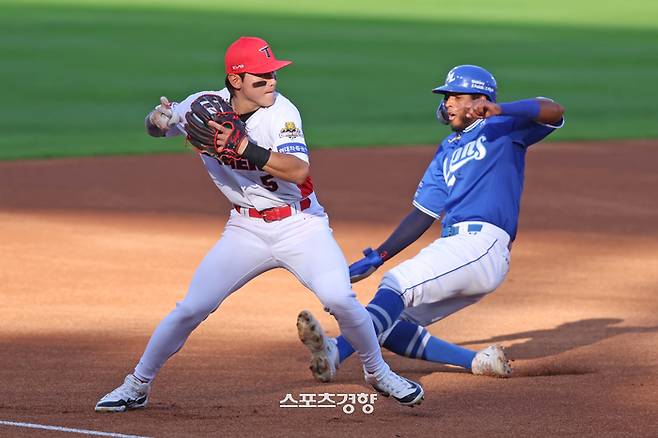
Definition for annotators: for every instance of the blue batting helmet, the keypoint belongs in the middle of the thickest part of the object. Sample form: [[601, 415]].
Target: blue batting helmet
[[469, 79]]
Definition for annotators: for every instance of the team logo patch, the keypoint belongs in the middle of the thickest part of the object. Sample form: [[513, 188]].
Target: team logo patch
[[290, 130]]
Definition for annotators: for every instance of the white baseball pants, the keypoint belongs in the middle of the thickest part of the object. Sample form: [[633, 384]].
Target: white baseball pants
[[451, 273], [303, 244]]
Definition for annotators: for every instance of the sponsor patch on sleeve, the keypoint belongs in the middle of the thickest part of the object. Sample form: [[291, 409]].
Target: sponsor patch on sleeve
[[292, 148], [290, 130]]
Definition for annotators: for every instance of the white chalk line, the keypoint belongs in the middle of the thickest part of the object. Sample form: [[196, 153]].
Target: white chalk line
[[67, 429]]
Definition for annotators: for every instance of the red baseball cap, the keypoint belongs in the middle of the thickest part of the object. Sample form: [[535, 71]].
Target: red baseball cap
[[251, 55]]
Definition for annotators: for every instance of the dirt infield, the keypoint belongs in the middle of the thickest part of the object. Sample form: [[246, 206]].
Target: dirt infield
[[96, 251]]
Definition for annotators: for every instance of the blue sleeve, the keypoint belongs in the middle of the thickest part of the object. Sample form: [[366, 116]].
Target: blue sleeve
[[410, 229], [528, 132], [432, 192]]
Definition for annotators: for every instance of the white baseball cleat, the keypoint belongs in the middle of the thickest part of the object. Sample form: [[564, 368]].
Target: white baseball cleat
[[324, 352], [132, 394], [405, 391], [492, 361]]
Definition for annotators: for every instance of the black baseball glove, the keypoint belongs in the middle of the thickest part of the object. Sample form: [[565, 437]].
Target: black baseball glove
[[206, 139]]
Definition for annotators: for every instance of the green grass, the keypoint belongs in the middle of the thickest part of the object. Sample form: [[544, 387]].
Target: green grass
[[78, 77]]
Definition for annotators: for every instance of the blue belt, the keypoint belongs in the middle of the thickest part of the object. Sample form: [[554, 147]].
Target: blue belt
[[452, 230]]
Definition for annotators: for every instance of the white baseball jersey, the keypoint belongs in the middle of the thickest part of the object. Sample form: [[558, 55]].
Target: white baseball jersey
[[277, 128]]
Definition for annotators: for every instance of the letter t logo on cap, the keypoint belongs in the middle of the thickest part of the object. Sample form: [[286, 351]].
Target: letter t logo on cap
[[266, 50]]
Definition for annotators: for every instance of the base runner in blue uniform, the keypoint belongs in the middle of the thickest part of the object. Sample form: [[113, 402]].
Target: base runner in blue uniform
[[474, 185]]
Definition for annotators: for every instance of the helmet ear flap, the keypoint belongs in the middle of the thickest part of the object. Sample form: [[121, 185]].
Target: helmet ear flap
[[442, 113]]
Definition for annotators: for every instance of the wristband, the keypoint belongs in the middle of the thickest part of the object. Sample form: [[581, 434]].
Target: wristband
[[256, 155], [523, 108]]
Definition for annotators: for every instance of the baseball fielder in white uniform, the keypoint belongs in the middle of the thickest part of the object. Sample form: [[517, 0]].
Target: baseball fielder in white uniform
[[276, 222]]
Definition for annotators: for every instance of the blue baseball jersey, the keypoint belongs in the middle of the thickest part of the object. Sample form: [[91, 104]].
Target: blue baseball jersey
[[477, 174]]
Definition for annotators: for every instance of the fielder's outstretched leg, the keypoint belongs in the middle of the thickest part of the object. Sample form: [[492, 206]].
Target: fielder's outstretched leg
[[236, 258]]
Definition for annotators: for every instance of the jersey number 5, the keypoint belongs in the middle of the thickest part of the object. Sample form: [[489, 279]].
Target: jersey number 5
[[270, 185]]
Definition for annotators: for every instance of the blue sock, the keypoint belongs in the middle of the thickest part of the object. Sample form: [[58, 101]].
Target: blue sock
[[406, 339], [384, 309], [345, 349]]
